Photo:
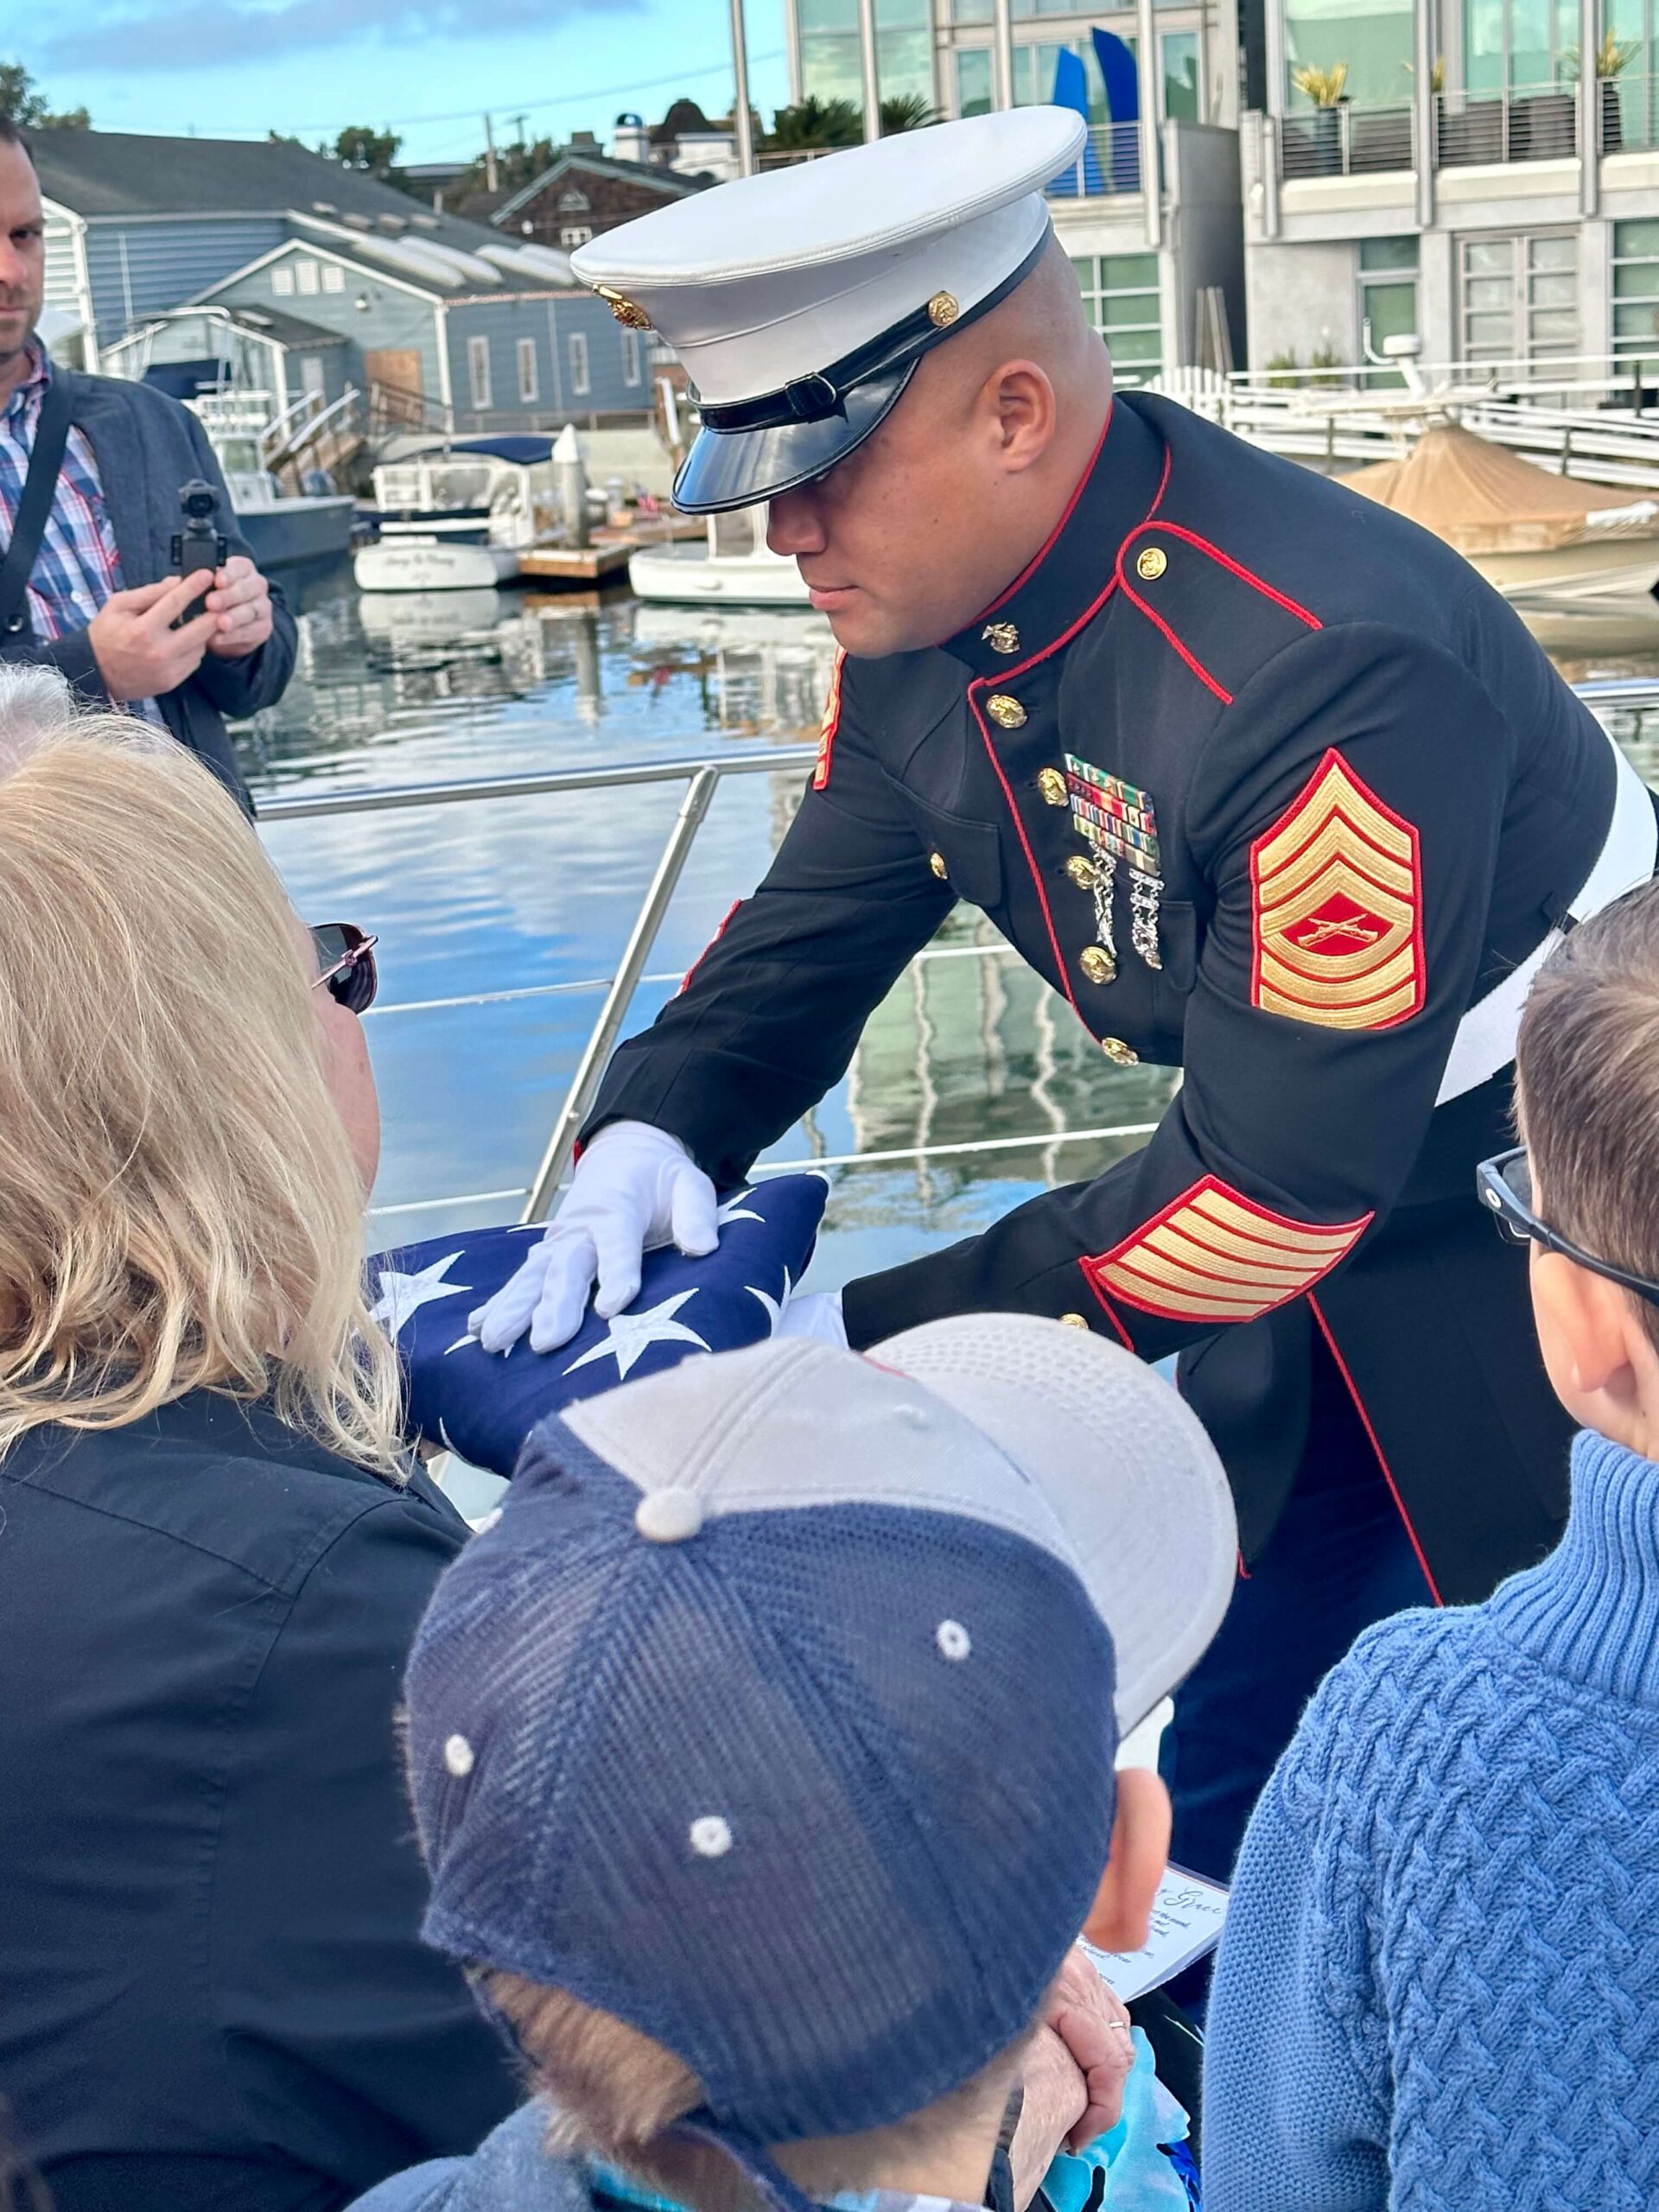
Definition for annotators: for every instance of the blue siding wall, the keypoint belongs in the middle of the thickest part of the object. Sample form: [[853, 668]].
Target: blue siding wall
[[546, 322], [392, 320], [166, 261]]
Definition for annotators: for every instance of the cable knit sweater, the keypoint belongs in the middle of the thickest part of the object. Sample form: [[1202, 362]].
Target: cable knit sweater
[[1439, 1988]]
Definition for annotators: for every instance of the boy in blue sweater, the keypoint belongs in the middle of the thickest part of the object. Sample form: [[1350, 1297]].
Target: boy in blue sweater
[[1440, 1983]]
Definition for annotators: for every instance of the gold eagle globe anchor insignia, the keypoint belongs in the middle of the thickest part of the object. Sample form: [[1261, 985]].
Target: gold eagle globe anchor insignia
[[627, 311]]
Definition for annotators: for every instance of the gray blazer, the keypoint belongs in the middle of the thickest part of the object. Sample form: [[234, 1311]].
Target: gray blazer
[[146, 445]]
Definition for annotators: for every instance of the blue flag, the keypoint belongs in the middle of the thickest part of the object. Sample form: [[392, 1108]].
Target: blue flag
[[484, 1404]]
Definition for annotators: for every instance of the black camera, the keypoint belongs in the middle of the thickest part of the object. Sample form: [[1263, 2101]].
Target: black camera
[[199, 544]]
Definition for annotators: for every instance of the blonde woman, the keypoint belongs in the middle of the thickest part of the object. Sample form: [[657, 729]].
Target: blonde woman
[[212, 1557]]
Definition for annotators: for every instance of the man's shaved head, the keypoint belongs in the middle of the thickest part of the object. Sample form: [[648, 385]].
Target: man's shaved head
[[942, 507]]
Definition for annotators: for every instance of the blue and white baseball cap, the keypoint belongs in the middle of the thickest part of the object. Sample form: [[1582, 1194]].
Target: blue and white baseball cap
[[800, 300], [776, 1715]]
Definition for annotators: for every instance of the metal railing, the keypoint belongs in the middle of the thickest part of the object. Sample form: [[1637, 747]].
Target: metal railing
[[1630, 113], [1530, 123], [1109, 162], [1637, 696], [1347, 140]]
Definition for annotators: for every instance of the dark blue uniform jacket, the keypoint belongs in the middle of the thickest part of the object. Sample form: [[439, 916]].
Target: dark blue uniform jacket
[[1270, 786], [211, 1993]]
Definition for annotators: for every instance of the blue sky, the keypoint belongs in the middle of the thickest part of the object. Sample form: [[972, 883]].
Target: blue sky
[[430, 68]]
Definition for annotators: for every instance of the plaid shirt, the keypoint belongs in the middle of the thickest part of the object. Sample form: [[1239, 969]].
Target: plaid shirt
[[78, 565]]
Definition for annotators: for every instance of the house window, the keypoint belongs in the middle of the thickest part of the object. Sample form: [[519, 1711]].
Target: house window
[[305, 275], [334, 277], [1120, 293], [529, 387], [579, 363], [1635, 291], [478, 372], [574, 203], [281, 281], [1180, 73], [1519, 297], [575, 233], [973, 80], [630, 357], [1387, 297]]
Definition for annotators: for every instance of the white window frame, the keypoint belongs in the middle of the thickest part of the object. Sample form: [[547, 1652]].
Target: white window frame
[[571, 234], [477, 374], [334, 277], [530, 387], [1529, 346], [282, 280], [578, 351], [630, 356], [307, 277]]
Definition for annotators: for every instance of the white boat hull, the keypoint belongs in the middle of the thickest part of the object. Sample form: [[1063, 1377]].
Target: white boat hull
[[426, 564], [688, 576], [1618, 566]]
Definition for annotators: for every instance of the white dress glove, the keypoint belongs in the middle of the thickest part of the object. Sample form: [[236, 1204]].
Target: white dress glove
[[817, 1315], [635, 1186]]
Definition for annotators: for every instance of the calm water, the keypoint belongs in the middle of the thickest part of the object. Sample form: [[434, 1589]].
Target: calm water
[[500, 922]]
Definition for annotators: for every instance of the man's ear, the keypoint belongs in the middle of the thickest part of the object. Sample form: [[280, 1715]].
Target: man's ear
[[1121, 1915], [1027, 413]]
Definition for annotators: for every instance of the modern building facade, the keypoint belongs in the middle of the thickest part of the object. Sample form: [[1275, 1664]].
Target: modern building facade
[[1161, 270], [1468, 180]]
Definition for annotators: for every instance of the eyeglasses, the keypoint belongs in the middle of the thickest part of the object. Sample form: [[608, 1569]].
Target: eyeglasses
[[345, 964], [1505, 1187]]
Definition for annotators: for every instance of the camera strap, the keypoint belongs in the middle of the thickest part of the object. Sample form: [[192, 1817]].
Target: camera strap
[[40, 489]]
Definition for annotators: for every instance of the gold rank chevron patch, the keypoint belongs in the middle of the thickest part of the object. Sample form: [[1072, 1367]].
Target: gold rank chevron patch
[[827, 727], [1335, 908], [1213, 1254]]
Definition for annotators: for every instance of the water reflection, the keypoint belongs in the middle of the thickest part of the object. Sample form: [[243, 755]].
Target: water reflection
[[501, 923]]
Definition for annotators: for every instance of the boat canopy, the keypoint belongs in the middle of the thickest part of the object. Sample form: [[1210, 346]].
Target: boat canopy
[[520, 448], [1481, 498]]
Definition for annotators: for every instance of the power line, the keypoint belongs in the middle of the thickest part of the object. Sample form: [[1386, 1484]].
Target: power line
[[560, 99]]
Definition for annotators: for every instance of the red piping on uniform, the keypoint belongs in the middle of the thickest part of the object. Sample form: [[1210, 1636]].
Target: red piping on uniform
[[1159, 623], [685, 981], [1191, 537], [1387, 1472], [1106, 1306], [1048, 543]]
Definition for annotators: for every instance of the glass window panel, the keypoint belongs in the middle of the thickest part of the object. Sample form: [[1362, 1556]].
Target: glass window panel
[[1554, 291], [973, 80], [1491, 330], [1555, 322], [1180, 53], [1388, 253], [829, 68], [1553, 253], [1141, 346], [973, 11], [829, 16], [902, 15], [1391, 311], [1633, 321], [1033, 74], [1636, 280], [1374, 37], [1121, 272], [904, 64], [1495, 292], [1482, 255], [1630, 239], [1127, 310]]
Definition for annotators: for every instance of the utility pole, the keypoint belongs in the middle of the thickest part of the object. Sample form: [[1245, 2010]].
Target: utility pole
[[867, 55], [491, 174], [522, 121], [742, 120]]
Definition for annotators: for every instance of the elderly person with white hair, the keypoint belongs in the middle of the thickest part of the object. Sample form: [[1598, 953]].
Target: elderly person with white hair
[[212, 1555]]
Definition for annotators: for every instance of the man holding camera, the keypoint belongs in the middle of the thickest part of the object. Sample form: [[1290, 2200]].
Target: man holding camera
[[107, 490]]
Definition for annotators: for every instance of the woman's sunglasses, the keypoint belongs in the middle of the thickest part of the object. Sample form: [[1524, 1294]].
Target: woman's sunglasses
[[1505, 1187], [345, 964]]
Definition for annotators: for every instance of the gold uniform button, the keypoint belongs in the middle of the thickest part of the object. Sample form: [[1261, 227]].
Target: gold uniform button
[[1081, 871], [1072, 1320], [1007, 713], [1150, 564], [1051, 783], [1096, 964], [1002, 637], [1120, 1054], [936, 862]]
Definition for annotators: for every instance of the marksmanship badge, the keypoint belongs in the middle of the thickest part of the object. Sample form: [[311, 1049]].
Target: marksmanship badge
[[1116, 819]]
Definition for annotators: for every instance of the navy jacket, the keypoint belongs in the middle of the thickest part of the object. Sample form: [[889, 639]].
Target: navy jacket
[[211, 1993], [146, 446], [1269, 786]]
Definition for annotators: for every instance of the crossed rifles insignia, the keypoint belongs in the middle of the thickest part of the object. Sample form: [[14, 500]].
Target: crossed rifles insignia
[[1115, 820]]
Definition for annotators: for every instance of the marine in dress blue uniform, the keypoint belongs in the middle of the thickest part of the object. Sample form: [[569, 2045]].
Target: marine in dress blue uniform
[[1271, 787]]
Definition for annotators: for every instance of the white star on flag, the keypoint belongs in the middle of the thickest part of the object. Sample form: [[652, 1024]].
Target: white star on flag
[[733, 1209], [774, 1305], [631, 1334], [403, 1296]]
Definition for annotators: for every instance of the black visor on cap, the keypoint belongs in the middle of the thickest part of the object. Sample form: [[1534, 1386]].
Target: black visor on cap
[[738, 468]]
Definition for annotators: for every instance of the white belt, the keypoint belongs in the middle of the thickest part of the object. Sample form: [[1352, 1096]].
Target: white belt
[[1485, 1039]]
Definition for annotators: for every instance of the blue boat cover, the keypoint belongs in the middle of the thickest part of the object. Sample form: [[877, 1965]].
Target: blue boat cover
[[517, 446], [484, 1404]]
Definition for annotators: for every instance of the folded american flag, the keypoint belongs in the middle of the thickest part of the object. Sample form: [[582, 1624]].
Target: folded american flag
[[484, 1404]]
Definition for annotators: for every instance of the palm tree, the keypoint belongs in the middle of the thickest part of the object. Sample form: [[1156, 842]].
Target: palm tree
[[908, 111], [813, 126]]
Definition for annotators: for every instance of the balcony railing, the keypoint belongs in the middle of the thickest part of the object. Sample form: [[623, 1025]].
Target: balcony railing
[[1536, 122], [1348, 140], [1630, 113], [1109, 161]]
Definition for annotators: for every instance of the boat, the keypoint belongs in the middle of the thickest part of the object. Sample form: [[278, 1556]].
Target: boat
[[733, 566], [458, 518], [282, 529], [1529, 532]]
